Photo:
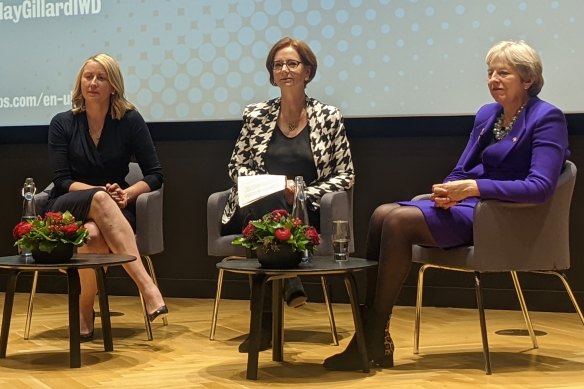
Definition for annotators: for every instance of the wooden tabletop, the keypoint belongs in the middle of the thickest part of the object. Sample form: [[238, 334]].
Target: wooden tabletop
[[79, 261], [318, 265]]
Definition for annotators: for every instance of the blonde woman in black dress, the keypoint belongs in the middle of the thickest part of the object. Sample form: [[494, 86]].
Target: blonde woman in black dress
[[90, 147]]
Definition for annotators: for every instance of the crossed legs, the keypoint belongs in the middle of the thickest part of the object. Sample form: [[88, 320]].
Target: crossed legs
[[110, 232]]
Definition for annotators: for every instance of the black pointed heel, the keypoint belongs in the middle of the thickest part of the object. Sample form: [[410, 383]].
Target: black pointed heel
[[388, 348], [89, 336], [350, 359], [161, 311]]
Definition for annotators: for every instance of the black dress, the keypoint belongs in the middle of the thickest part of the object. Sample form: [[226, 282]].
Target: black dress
[[74, 157]]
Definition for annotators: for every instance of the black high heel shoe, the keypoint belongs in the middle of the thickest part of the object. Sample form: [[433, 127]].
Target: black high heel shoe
[[161, 311], [265, 336], [350, 359], [89, 336]]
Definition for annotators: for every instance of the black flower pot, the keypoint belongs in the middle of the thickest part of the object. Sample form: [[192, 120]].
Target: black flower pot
[[61, 253], [282, 256]]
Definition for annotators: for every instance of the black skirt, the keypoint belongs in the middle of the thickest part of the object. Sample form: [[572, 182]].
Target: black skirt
[[79, 204]]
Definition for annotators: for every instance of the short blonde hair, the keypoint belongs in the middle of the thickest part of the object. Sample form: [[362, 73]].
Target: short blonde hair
[[118, 102], [307, 56], [523, 58]]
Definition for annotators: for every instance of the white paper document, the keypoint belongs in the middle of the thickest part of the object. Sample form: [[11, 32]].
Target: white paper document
[[253, 188]]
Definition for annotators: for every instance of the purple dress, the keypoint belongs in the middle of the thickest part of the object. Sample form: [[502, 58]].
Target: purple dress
[[522, 167]]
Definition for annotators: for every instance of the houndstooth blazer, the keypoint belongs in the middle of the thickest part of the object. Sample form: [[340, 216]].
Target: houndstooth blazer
[[328, 140]]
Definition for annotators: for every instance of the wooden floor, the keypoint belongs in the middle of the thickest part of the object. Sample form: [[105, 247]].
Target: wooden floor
[[181, 356]]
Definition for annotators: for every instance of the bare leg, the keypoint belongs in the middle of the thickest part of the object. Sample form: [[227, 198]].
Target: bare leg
[[119, 236], [96, 244]]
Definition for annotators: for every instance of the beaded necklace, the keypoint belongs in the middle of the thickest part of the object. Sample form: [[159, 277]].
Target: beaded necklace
[[499, 130]]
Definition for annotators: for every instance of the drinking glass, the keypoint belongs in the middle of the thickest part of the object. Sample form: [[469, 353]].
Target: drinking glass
[[341, 238]]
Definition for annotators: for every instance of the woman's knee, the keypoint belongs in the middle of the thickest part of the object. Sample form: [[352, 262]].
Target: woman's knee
[[101, 199], [96, 239], [402, 220], [380, 213], [103, 207]]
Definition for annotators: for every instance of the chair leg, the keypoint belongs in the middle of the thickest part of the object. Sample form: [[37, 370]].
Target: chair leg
[[523, 305], [146, 321], [30, 304], [218, 294], [483, 323], [420, 290], [216, 305], [329, 309], [153, 275], [564, 279]]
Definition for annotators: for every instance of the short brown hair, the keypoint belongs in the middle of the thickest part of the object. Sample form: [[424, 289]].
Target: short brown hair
[[118, 102], [307, 56], [523, 58]]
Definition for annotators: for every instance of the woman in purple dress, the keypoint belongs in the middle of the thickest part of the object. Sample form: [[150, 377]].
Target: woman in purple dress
[[515, 153]]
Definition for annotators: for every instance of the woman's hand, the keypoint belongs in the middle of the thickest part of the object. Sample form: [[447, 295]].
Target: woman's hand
[[448, 194], [289, 191], [119, 195]]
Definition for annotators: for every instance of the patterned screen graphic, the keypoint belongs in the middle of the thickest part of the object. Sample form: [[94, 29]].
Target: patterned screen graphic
[[205, 60]]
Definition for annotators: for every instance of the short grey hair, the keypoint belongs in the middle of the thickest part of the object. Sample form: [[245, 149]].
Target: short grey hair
[[523, 58]]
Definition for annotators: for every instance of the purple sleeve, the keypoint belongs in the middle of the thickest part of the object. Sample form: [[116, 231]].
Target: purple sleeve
[[549, 145]]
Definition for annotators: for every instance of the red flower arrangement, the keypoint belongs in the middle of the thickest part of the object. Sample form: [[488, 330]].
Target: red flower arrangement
[[45, 233], [275, 228]]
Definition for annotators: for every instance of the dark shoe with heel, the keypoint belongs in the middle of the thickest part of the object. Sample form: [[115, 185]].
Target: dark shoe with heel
[[265, 337], [296, 300], [265, 342], [380, 350], [89, 336], [294, 293], [161, 311]]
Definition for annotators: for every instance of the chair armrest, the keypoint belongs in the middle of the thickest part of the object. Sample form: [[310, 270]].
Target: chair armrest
[[41, 199], [149, 232], [424, 196], [334, 206], [505, 231], [218, 245], [215, 206]]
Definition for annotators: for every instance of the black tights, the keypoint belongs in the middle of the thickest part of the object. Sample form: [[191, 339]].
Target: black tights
[[392, 231]]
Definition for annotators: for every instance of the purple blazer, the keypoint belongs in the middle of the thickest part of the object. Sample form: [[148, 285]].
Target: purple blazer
[[524, 166]]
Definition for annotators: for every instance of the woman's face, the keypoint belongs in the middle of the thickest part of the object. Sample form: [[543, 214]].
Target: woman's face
[[505, 84], [95, 85], [288, 70]]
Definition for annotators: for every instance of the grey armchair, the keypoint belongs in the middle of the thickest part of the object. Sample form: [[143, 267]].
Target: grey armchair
[[333, 206], [509, 237], [149, 236]]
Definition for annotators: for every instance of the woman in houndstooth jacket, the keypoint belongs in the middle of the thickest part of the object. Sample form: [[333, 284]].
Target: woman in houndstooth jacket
[[292, 135]]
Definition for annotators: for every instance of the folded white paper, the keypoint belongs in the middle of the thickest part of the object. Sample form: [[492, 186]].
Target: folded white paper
[[253, 188]]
